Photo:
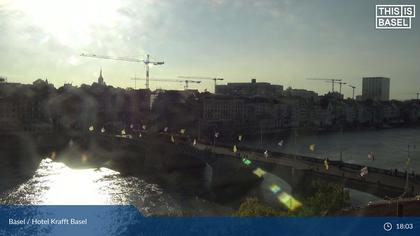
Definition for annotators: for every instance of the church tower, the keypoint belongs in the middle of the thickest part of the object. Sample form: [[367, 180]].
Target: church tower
[[101, 79]]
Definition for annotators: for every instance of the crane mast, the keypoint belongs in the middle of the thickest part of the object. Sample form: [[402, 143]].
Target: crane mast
[[340, 83], [215, 79], [353, 88], [332, 81], [147, 62], [186, 82]]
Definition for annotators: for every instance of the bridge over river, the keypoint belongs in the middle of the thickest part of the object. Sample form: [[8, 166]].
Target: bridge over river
[[300, 170]]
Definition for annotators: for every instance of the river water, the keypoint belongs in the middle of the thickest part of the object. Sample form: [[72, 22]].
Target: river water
[[55, 183], [390, 147]]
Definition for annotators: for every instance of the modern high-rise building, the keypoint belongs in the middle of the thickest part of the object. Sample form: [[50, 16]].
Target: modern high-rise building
[[376, 88]]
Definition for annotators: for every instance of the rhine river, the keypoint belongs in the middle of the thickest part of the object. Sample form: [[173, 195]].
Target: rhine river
[[390, 147], [56, 183]]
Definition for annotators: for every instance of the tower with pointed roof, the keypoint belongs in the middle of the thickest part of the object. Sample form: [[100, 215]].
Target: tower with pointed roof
[[101, 79]]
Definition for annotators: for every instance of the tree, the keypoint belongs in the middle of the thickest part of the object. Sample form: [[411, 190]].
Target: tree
[[327, 199], [253, 207]]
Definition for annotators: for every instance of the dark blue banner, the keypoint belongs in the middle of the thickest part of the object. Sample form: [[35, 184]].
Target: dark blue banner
[[127, 220]]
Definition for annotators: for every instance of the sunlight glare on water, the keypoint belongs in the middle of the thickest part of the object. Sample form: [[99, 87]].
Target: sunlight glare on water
[[54, 183], [76, 187]]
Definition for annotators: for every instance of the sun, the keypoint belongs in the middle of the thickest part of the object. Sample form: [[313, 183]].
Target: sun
[[71, 22]]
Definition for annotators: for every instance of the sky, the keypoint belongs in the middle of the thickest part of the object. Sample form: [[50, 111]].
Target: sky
[[277, 41]]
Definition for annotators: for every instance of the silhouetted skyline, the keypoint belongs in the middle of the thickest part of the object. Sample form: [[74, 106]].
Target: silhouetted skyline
[[281, 42]]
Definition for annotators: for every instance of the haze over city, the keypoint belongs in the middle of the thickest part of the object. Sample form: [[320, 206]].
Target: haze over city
[[281, 42], [146, 117]]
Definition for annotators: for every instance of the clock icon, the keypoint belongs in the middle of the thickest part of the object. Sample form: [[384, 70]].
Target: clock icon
[[387, 226]]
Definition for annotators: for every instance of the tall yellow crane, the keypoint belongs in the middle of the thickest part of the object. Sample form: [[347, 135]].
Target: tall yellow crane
[[147, 62], [332, 81], [186, 82], [215, 79]]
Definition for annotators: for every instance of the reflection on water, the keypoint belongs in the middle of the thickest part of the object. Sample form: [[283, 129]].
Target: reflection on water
[[74, 187], [56, 184]]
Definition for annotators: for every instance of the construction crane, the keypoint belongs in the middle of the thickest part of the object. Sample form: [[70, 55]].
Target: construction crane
[[187, 81], [332, 81], [147, 62], [353, 88], [410, 94], [339, 82], [135, 78], [215, 79]]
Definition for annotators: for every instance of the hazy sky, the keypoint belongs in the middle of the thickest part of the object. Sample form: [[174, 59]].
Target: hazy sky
[[278, 41]]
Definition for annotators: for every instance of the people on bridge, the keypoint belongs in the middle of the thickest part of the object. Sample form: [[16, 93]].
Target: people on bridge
[[312, 147], [364, 171], [371, 156]]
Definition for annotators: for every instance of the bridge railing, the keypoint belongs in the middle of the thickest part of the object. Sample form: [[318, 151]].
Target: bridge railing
[[356, 167]]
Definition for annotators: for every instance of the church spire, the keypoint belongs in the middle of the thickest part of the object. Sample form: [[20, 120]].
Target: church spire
[[101, 79]]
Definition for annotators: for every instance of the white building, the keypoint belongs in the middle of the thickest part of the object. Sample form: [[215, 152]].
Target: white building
[[376, 88]]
